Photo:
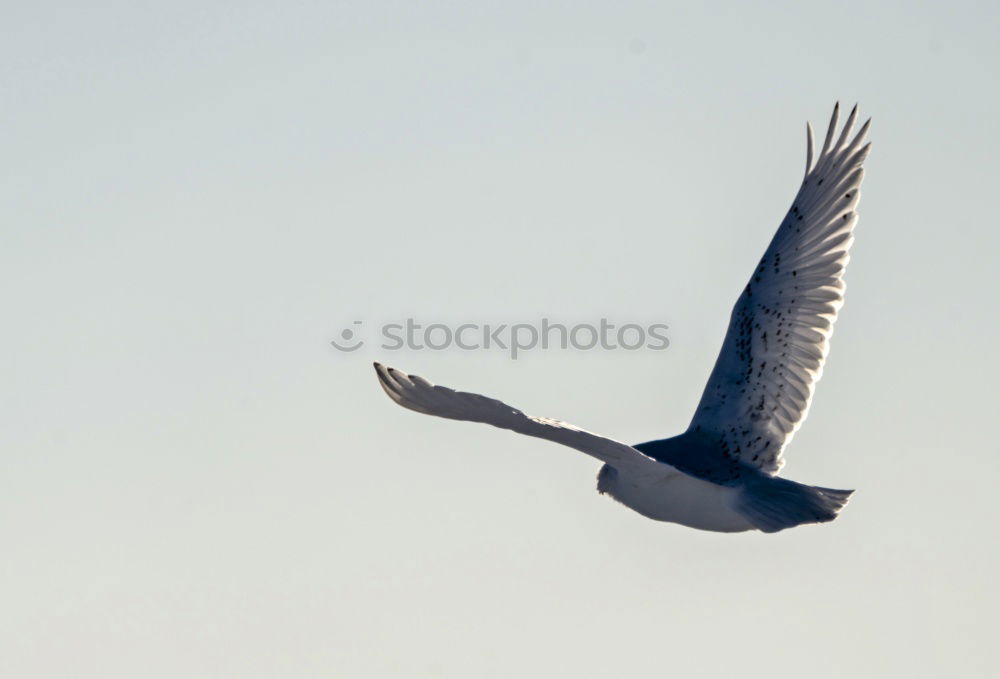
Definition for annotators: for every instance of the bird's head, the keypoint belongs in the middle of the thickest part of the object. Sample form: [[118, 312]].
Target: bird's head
[[606, 478]]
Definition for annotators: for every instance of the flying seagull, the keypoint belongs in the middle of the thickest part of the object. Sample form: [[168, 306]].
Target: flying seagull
[[721, 474]]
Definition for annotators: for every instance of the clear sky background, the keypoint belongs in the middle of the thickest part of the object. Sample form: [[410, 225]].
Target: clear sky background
[[197, 197]]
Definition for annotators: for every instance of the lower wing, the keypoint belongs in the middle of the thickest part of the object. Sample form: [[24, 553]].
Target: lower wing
[[416, 393]]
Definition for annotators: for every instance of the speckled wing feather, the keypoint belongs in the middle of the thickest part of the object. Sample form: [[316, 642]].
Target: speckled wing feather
[[416, 393], [760, 389]]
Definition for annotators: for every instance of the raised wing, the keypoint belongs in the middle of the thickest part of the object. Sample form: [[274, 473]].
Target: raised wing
[[416, 393], [760, 389]]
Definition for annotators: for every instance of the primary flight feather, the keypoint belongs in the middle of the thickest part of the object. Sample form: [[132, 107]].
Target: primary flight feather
[[721, 474]]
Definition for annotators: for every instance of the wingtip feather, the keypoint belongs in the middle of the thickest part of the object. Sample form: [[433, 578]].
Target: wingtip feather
[[860, 136], [829, 130], [848, 126], [809, 147]]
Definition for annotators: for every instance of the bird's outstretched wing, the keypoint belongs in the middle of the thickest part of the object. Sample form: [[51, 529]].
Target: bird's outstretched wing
[[772, 357], [416, 393]]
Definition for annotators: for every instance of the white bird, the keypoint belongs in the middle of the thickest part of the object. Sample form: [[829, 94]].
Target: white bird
[[721, 474]]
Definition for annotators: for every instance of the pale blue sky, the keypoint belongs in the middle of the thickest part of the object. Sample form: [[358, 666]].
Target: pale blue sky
[[195, 199]]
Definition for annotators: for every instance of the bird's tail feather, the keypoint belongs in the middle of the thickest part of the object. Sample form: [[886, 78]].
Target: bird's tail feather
[[772, 503]]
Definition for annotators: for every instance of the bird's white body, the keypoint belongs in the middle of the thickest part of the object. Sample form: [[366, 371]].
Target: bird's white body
[[660, 492], [721, 474]]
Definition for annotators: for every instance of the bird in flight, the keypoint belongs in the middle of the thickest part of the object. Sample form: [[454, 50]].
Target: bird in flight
[[721, 474]]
